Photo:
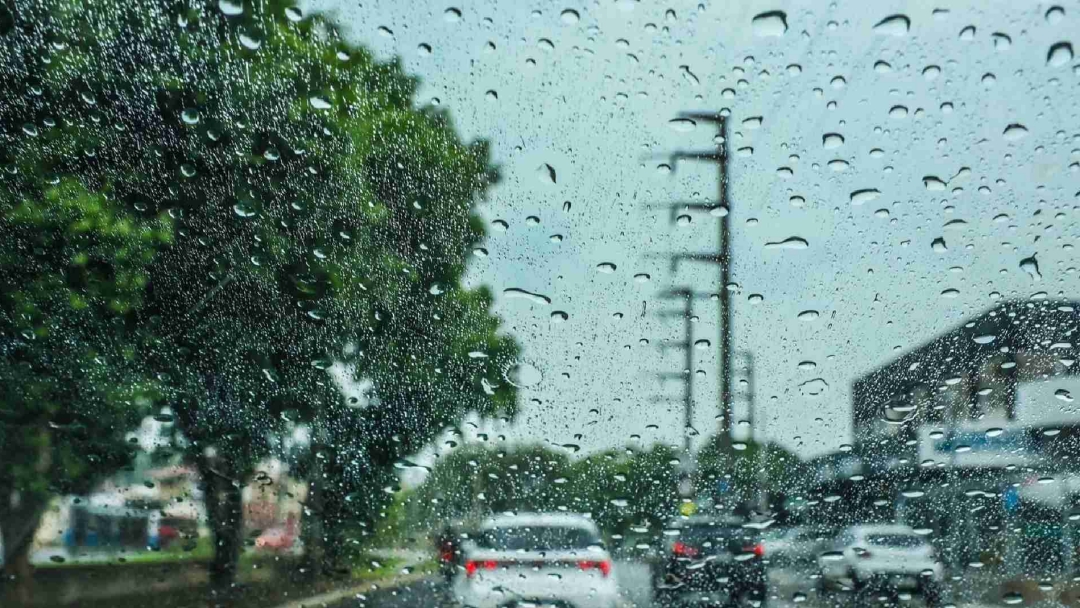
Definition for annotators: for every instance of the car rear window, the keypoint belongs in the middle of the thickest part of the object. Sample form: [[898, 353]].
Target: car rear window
[[537, 538], [894, 540]]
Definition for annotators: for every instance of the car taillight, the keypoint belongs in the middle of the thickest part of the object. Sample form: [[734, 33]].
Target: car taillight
[[683, 550], [603, 566], [758, 550], [446, 556], [471, 566]]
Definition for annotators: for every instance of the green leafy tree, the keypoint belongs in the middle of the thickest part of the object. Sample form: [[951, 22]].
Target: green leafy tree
[[73, 273], [316, 217], [734, 477]]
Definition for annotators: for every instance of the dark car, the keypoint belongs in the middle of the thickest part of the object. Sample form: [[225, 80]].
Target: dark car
[[712, 562]]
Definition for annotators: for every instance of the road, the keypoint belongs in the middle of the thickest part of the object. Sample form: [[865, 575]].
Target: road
[[788, 589]]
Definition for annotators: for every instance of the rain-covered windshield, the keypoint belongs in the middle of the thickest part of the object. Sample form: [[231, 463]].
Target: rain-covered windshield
[[297, 297]]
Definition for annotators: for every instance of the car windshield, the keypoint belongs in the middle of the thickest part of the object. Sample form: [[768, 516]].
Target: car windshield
[[537, 538], [297, 297]]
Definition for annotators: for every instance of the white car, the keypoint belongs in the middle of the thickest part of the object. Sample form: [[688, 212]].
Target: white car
[[536, 559], [879, 556], [792, 546]]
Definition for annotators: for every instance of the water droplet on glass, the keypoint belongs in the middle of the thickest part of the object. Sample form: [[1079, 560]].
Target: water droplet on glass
[[688, 75], [244, 210], [968, 33], [293, 14], [546, 174], [536, 298], [319, 103], [931, 72], [866, 195], [807, 365], [1063, 395], [984, 338], [1012, 598], [831, 141], [938, 245], [682, 125], [231, 8], [523, 374], [556, 238], [793, 242], [753, 122], [190, 116], [1059, 54], [808, 315], [1014, 132], [605, 267], [882, 67], [893, 25], [1002, 42], [755, 298], [492, 95], [500, 225], [950, 293], [1031, 267], [1054, 15], [898, 112], [813, 388], [559, 316], [838, 164], [683, 220], [933, 182], [702, 344], [569, 16], [772, 23], [452, 15], [423, 49]]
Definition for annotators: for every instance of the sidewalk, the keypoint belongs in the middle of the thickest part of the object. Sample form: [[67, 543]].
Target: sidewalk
[[331, 597]]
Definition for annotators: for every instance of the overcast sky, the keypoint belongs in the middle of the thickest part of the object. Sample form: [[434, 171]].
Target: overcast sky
[[921, 106]]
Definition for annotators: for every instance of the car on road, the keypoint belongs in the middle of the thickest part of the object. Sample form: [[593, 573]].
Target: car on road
[[885, 558], [712, 561], [554, 560], [795, 546]]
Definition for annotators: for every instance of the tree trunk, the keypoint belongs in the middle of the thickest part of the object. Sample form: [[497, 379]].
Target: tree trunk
[[314, 530], [19, 519], [225, 515]]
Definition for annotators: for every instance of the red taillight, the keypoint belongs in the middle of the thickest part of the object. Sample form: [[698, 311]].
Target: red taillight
[[758, 550], [683, 550], [603, 566], [446, 556], [471, 566]]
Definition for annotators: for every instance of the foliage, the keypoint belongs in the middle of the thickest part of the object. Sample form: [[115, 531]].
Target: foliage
[[304, 211]]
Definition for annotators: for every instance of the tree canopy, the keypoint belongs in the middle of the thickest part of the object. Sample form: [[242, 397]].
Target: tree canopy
[[252, 199]]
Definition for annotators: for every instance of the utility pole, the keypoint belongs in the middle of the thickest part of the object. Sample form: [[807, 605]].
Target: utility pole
[[722, 209]]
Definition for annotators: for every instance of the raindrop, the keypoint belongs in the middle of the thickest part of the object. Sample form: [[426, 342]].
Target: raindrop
[[893, 25], [753, 122], [984, 338], [536, 298], [838, 164], [931, 72], [30, 129], [994, 431], [934, 183], [807, 365], [898, 112], [718, 211], [1012, 598], [424, 49], [1054, 15], [500, 225], [794, 69], [739, 446], [523, 374], [546, 174], [385, 31], [1002, 42], [244, 210], [793, 242], [570, 16], [755, 298], [682, 125], [950, 293], [1014, 132], [231, 8], [493, 95], [452, 15], [1031, 267], [814, 388], [606, 267], [772, 23], [566, 206], [556, 238], [1059, 54], [559, 316], [684, 220], [1063, 395], [319, 103], [866, 195], [190, 116], [968, 33], [809, 315], [882, 67], [830, 141], [702, 344], [293, 14], [939, 246], [688, 75], [642, 277]]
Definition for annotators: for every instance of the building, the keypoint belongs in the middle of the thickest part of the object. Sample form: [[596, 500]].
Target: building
[[978, 396]]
